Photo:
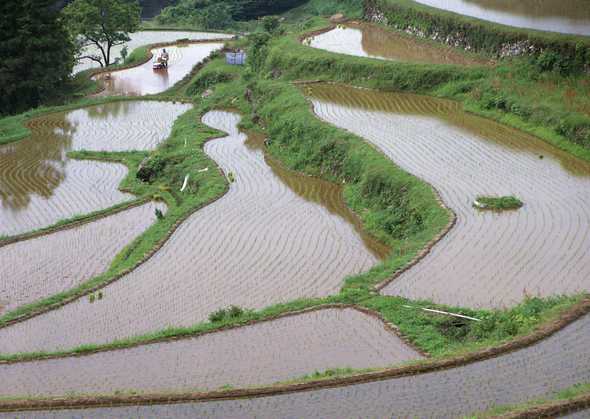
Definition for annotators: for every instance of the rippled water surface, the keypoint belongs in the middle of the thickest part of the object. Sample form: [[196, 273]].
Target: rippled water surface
[[566, 16], [40, 185], [263, 353], [144, 80], [488, 259], [276, 236], [365, 40], [142, 38], [67, 258]]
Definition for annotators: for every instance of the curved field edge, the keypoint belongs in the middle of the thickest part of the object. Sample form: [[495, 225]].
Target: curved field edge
[[502, 93], [425, 331], [349, 378], [12, 128], [477, 34], [570, 400], [203, 189]]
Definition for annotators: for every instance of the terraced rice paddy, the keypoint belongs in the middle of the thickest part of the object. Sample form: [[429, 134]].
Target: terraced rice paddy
[[141, 38], [275, 237], [44, 266], [144, 80], [538, 371], [366, 40], [566, 16], [40, 185], [263, 353], [488, 259]]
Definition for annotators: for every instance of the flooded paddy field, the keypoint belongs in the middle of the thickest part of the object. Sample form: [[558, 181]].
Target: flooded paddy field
[[142, 38], [264, 353], [40, 185], [367, 40], [566, 16], [276, 236], [488, 259], [44, 266], [538, 371], [144, 80]]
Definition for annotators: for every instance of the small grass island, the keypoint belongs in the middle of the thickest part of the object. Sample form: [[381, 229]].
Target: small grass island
[[495, 203]]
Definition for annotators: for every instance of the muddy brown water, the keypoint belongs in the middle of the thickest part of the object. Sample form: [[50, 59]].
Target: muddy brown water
[[142, 38], [552, 365], [44, 266], [274, 237], [366, 40], [488, 259], [40, 185], [263, 353], [566, 16], [144, 80]]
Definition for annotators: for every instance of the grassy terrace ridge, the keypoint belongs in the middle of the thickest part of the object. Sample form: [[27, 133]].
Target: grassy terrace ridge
[[303, 143], [372, 183], [481, 34], [514, 92], [497, 203], [569, 400]]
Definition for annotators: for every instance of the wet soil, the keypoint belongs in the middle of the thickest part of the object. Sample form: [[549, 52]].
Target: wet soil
[[534, 372], [142, 38], [276, 236], [366, 40], [44, 266], [264, 353], [40, 185], [144, 80], [488, 259], [566, 16]]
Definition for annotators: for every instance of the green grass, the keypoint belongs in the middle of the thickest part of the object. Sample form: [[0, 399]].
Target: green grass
[[373, 185], [178, 162], [306, 144], [498, 203]]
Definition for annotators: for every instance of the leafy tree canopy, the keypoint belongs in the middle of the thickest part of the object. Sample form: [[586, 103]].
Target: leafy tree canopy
[[37, 54], [99, 25]]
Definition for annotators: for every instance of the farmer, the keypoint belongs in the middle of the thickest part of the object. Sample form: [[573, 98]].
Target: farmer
[[164, 57]]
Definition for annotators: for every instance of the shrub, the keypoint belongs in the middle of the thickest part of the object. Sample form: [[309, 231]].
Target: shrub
[[497, 203], [218, 315]]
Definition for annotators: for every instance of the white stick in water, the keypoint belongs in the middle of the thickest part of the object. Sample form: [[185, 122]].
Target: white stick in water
[[185, 184]]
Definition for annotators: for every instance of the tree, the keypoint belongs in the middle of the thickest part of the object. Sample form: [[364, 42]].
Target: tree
[[37, 54], [101, 25]]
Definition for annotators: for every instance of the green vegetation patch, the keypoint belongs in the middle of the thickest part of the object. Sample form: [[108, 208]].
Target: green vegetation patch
[[497, 203], [566, 54]]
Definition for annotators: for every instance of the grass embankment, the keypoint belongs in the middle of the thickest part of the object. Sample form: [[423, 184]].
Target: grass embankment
[[394, 206], [545, 91], [177, 157], [497, 203], [561, 52], [570, 400], [515, 92]]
